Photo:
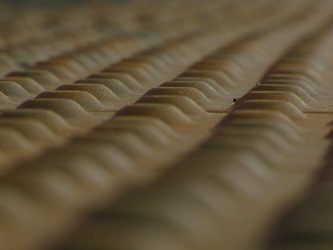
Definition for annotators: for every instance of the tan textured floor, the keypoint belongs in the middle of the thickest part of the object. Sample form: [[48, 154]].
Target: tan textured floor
[[174, 125]]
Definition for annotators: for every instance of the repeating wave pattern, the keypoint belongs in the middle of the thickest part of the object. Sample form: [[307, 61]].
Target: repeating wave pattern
[[166, 125]]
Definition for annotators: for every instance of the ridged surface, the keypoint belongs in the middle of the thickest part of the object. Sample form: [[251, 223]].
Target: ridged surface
[[176, 125]]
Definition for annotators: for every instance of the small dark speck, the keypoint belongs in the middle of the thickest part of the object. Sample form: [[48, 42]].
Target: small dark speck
[[234, 100], [24, 65]]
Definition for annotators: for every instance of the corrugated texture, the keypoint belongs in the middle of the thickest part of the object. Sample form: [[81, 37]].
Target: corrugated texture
[[182, 125]]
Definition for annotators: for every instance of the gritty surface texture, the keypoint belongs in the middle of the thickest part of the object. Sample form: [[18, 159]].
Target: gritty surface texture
[[166, 125]]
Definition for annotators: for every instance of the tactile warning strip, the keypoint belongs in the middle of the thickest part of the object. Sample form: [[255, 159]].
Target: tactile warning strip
[[152, 125]]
